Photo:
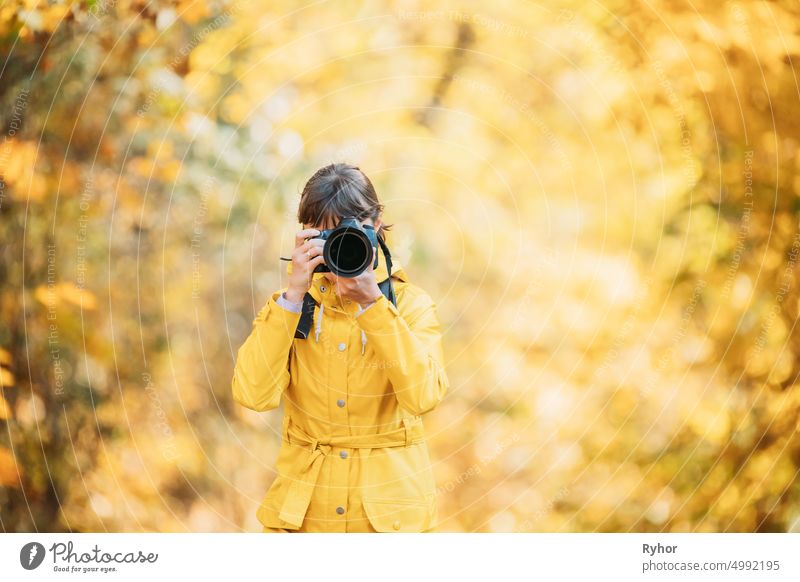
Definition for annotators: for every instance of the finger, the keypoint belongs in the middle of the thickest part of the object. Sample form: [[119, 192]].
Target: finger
[[301, 236], [308, 249], [300, 253], [318, 260]]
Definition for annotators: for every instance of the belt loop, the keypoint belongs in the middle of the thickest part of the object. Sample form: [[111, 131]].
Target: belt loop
[[287, 420], [407, 430]]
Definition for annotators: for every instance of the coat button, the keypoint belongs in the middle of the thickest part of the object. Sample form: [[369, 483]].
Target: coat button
[[340, 510], [341, 347], [322, 288], [343, 454], [340, 403], [396, 524]]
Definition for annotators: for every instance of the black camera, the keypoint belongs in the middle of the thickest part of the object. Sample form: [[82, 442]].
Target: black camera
[[348, 248]]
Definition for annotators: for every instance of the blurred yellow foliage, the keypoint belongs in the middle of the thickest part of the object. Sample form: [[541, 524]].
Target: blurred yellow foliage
[[601, 199]]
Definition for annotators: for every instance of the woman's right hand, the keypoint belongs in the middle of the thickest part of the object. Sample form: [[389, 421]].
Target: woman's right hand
[[306, 256]]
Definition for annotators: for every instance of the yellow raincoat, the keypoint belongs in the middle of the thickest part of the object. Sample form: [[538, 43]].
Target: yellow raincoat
[[353, 456]]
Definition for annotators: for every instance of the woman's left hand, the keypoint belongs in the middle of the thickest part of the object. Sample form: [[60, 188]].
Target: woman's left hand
[[362, 289]]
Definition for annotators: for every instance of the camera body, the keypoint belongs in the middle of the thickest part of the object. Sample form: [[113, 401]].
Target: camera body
[[348, 248]]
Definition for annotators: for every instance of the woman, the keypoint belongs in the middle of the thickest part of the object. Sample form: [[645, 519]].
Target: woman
[[353, 456]]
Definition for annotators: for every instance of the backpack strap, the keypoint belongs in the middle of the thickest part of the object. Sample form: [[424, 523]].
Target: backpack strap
[[309, 303], [306, 316]]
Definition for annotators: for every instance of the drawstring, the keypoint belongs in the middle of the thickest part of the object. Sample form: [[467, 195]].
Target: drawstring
[[319, 321], [319, 327], [363, 335]]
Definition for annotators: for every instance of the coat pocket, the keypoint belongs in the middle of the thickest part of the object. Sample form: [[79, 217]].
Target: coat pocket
[[270, 507], [386, 514], [398, 473]]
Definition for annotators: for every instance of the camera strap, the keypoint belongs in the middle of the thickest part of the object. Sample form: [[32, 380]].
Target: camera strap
[[309, 303], [386, 286]]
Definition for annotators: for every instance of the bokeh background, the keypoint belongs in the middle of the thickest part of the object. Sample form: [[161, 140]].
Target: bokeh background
[[601, 197]]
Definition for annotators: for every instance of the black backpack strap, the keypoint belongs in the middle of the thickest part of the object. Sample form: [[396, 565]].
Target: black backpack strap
[[388, 290], [309, 303], [306, 316]]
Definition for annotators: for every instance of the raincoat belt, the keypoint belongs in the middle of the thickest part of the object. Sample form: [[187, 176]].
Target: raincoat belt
[[307, 467]]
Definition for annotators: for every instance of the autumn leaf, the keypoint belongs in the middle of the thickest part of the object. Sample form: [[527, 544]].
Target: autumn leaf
[[5, 409], [8, 469], [52, 296], [6, 378]]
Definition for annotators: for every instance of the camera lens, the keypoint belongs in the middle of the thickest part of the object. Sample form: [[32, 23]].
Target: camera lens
[[348, 253]]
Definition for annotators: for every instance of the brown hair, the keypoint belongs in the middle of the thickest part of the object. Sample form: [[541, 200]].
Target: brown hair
[[338, 190]]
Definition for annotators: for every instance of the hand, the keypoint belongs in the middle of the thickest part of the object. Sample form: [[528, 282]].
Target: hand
[[362, 289], [306, 256]]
